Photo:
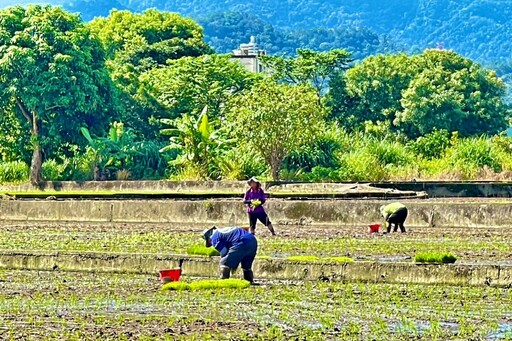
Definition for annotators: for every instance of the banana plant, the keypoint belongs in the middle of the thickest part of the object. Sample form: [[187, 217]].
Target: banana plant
[[115, 151], [196, 138]]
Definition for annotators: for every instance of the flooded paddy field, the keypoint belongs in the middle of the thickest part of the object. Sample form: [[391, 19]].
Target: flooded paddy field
[[468, 244], [77, 306], [49, 305]]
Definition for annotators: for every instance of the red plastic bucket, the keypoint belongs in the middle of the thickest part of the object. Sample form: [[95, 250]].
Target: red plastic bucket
[[170, 275], [374, 228]]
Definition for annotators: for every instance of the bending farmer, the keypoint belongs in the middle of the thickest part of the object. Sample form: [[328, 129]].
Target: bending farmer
[[254, 199], [394, 213], [236, 246]]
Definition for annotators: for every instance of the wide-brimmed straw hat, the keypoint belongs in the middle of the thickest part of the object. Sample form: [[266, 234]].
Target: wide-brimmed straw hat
[[253, 179]]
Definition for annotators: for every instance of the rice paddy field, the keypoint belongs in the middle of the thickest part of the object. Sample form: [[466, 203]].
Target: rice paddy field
[[50, 305]]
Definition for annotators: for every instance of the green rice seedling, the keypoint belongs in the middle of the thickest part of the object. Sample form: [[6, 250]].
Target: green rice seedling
[[215, 284], [231, 283], [338, 259], [309, 259], [434, 257], [202, 250], [177, 286]]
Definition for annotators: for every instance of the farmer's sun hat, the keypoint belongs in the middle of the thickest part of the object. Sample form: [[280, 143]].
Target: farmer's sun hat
[[207, 234], [253, 179]]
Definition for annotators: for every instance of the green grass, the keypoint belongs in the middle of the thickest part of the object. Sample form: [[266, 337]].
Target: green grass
[[202, 250], [207, 284], [432, 257]]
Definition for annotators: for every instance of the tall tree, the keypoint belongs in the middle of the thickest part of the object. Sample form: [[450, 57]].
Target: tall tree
[[371, 91], [149, 39], [53, 71], [190, 83], [453, 93], [415, 94], [275, 119], [309, 67], [140, 42]]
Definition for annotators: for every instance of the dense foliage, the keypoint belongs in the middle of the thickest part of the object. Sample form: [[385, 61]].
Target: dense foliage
[[417, 94], [53, 78], [143, 96]]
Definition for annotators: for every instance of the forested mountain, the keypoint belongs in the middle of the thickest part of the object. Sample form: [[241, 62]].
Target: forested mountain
[[225, 31], [479, 29]]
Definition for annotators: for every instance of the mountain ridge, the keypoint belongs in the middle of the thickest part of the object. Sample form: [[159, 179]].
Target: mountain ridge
[[478, 29]]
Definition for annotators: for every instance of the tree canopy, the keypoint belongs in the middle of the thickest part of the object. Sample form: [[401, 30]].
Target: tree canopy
[[308, 67], [415, 94], [52, 71], [188, 84], [274, 119], [149, 39], [313, 115]]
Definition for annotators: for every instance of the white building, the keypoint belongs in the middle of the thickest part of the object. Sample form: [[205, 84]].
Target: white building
[[248, 55]]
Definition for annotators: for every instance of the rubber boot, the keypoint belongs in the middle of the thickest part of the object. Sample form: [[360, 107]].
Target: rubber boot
[[225, 272], [249, 276], [271, 229]]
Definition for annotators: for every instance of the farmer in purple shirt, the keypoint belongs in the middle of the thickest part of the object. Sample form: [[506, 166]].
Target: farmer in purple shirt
[[236, 246], [254, 199]]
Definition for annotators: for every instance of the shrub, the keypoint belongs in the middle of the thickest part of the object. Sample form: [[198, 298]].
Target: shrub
[[318, 154], [147, 162], [432, 145], [54, 171], [15, 171], [203, 251], [321, 174], [360, 165], [240, 163], [476, 152], [207, 284], [123, 174], [390, 152], [432, 257], [81, 166]]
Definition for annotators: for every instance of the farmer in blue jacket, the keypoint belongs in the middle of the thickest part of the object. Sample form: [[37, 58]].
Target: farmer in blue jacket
[[236, 246], [254, 199]]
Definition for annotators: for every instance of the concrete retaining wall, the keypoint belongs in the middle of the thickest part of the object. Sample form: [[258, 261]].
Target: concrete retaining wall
[[435, 189], [423, 213], [452, 274]]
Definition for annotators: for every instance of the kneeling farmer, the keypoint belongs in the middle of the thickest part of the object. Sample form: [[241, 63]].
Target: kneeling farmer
[[236, 246], [394, 213]]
